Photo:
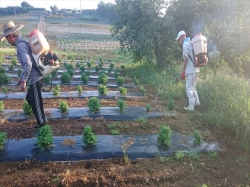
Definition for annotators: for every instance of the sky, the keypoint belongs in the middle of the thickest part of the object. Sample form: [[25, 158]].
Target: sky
[[68, 4]]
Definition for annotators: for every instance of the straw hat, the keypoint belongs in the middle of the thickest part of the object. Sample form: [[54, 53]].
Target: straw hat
[[9, 28]]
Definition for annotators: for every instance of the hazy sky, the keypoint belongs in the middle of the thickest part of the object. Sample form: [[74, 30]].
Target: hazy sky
[[69, 4]]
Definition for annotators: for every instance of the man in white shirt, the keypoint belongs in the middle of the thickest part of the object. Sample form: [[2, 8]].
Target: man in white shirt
[[189, 71]]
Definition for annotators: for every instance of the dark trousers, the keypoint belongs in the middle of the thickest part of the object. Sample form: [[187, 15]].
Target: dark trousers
[[35, 100]]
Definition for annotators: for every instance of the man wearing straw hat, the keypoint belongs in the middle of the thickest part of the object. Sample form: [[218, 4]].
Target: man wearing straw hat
[[30, 71]]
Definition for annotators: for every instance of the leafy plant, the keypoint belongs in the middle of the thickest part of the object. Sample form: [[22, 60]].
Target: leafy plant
[[94, 104], [1, 106], [171, 104], [54, 73], [11, 67], [119, 80], [116, 74], [115, 131], [148, 107], [70, 72], [14, 61], [4, 79], [19, 72], [65, 77], [111, 65], [78, 65], [4, 89], [112, 126], [2, 70], [79, 89], [63, 107], [3, 137], [121, 104], [88, 136], [82, 68], [142, 90], [97, 68], [88, 64], [123, 90], [84, 78], [122, 66], [164, 136], [103, 79], [136, 81], [197, 137], [102, 89], [56, 90], [26, 108], [47, 79], [45, 137]]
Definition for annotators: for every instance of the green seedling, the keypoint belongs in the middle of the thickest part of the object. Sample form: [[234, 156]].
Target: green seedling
[[121, 104], [88, 136], [164, 136], [4, 89], [115, 131], [94, 104], [148, 107], [63, 107], [142, 120], [102, 89], [85, 77], [171, 104], [142, 90], [197, 137], [103, 79], [1, 106], [179, 155], [45, 137], [119, 80], [26, 108], [79, 89], [123, 90]]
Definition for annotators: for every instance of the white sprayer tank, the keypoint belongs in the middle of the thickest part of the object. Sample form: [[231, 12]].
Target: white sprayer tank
[[199, 44], [38, 42]]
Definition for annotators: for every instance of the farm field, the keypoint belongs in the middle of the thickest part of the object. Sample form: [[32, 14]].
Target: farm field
[[80, 43]]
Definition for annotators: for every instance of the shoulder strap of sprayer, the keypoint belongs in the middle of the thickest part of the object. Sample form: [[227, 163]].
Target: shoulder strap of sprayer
[[34, 64], [192, 54]]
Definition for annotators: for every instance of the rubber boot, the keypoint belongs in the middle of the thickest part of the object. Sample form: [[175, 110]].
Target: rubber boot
[[191, 104], [197, 101]]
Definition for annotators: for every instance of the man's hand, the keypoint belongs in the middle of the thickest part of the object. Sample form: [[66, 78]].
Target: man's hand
[[183, 75], [23, 86]]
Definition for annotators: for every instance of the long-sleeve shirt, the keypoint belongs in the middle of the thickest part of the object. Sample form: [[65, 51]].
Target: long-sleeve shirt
[[29, 71]]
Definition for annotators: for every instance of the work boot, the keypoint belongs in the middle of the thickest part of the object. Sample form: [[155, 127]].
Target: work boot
[[191, 104], [197, 101]]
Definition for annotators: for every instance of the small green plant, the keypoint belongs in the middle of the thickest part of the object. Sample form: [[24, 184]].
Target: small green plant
[[142, 90], [97, 68], [2, 70], [125, 157], [112, 126], [65, 77], [47, 79], [119, 80], [194, 155], [164, 136], [44, 137], [26, 108], [11, 67], [102, 89], [109, 70], [1, 106], [4, 79], [213, 154], [82, 68], [70, 72], [122, 67], [4, 89], [179, 155], [116, 74], [84, 78], [19, 72], [88, 136], [123, 90], [54, 73], [111, 65], [100, 65], [63, 107], [103, 79], [115, 131], [79, 89], [3, 137], [148, 107], [142, 120], [78, 65], [56, 90], [170, 104], [94, 104], [89, 64], [197, 137], [14, 61], [136, 81], [121, 104]]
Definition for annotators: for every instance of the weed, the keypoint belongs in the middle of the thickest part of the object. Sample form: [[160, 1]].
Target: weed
[[3, 137], [197, 137], [213, 154], [115, 131], [142, 120], [171, 104], [179, 155], [63, 107], [148, 107], [121, 104], [88, 136], [94, 104], [26, 108], [125, 157], [112, 126], [193, 155], [164, 136], [45, 137]]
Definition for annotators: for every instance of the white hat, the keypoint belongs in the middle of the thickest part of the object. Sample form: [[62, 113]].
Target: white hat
[[9, 28], [180, 34]]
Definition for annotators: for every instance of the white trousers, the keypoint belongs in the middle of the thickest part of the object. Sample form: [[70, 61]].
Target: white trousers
[[191, 80]]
